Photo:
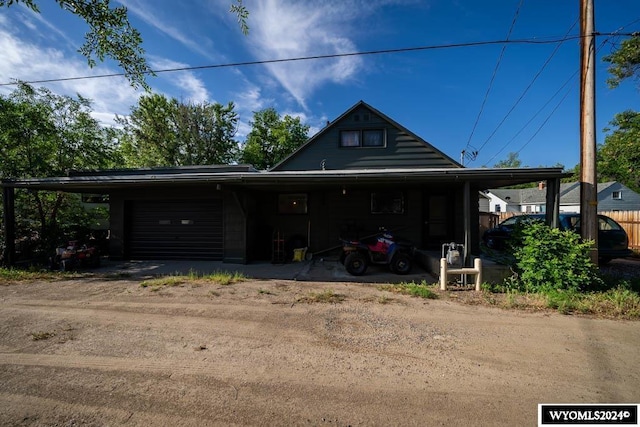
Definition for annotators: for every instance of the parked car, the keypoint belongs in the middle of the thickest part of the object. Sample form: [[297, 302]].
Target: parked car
[[613, 241]]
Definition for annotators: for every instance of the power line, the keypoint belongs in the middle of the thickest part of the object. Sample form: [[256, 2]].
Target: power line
[[616, 33], [526, 90], [486, 95], [545, 121], [549, 40], [569, 80]]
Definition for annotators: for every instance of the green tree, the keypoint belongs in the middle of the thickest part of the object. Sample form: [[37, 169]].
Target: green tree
[[149, 137], [43, 134], [166, 132], [111, 35], [272, 138], [207, 133], [512, 161], [625, 61], [619, 157]]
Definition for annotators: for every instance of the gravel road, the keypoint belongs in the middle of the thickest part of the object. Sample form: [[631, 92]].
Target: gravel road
[[111, 352]]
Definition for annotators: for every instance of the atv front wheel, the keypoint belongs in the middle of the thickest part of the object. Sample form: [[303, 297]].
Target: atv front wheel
[[401, 264], [356, 263]]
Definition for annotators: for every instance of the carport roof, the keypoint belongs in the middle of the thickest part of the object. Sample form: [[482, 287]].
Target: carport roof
[[246, 176]]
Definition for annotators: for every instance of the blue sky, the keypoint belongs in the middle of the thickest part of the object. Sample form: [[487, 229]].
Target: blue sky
[[439, 94]]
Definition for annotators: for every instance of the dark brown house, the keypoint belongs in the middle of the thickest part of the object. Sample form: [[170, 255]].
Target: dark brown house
[[361, 172]]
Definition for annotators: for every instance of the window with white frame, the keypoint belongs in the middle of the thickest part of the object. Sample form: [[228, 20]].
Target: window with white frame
[[616, 195], [497, 208]]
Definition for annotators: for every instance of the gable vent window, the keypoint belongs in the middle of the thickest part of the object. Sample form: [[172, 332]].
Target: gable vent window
[[363, 138], [616, 195], [356, 117]]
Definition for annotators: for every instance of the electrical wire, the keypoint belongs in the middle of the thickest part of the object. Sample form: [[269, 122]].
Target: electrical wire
[[612, 35], [535, 41], [526, 90], [545, 121], [493, 77], [569, 80]]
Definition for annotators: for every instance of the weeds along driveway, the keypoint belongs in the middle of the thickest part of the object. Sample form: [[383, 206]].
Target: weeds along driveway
[[318, 270], [279, 352]]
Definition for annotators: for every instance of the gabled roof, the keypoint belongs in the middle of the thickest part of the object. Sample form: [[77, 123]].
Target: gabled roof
[[408, 137], [569, 193], [507, 195]]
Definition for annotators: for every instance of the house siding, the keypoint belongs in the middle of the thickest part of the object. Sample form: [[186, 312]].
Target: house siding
[[402, 149], [569, 198], [235, 230], [332, 215], [630, 200]]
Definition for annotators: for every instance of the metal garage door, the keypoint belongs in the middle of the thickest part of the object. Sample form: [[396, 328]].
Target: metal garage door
[[176, 229]]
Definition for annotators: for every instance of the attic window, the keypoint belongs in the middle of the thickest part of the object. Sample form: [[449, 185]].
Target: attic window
[[350, 138], [363, 138], [616, 195], [373, 138]]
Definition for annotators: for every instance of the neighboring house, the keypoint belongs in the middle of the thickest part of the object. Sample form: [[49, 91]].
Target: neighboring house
[[612, 196], [484, 202], [361, 172]]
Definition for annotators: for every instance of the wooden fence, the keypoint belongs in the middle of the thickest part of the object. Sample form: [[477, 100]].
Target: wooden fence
[[629, 220]]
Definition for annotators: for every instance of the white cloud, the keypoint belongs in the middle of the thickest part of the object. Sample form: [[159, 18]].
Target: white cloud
[[250, 99], [191, 87], [144, 12], [281, 29], [32, 63]]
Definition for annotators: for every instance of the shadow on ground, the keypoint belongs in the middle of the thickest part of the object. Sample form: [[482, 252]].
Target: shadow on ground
[[317, 270]]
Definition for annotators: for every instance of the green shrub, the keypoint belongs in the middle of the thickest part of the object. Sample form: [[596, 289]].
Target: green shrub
[[549, 259]]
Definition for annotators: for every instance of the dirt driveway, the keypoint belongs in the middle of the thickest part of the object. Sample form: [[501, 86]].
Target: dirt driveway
[[98, 352]]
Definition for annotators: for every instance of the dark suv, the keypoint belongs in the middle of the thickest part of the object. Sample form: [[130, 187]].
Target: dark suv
[[613, 241]]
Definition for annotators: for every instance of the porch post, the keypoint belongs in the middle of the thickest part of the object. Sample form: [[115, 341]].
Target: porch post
[[9, 222], [552, 217], [466, 207]]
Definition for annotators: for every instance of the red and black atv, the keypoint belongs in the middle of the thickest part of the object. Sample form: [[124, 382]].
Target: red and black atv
[[383, 248], [75, 255]]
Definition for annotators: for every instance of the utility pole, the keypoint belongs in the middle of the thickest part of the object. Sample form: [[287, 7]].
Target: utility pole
[[588, 178]]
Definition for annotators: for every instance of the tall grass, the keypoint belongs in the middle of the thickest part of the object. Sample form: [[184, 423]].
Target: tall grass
[[222, 278], [9, 275], [419, 290]]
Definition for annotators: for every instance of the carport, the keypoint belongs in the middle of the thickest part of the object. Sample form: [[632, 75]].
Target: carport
[[230, 198]]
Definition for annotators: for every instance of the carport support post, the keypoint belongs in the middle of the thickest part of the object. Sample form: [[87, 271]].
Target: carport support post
[[9, 222], [552, 216], [466, 208]]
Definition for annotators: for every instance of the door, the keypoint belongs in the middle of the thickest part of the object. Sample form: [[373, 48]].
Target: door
[[436, 220], [176, 229]]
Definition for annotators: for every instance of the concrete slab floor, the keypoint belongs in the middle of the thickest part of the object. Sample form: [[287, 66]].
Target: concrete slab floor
[[317, 269]]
